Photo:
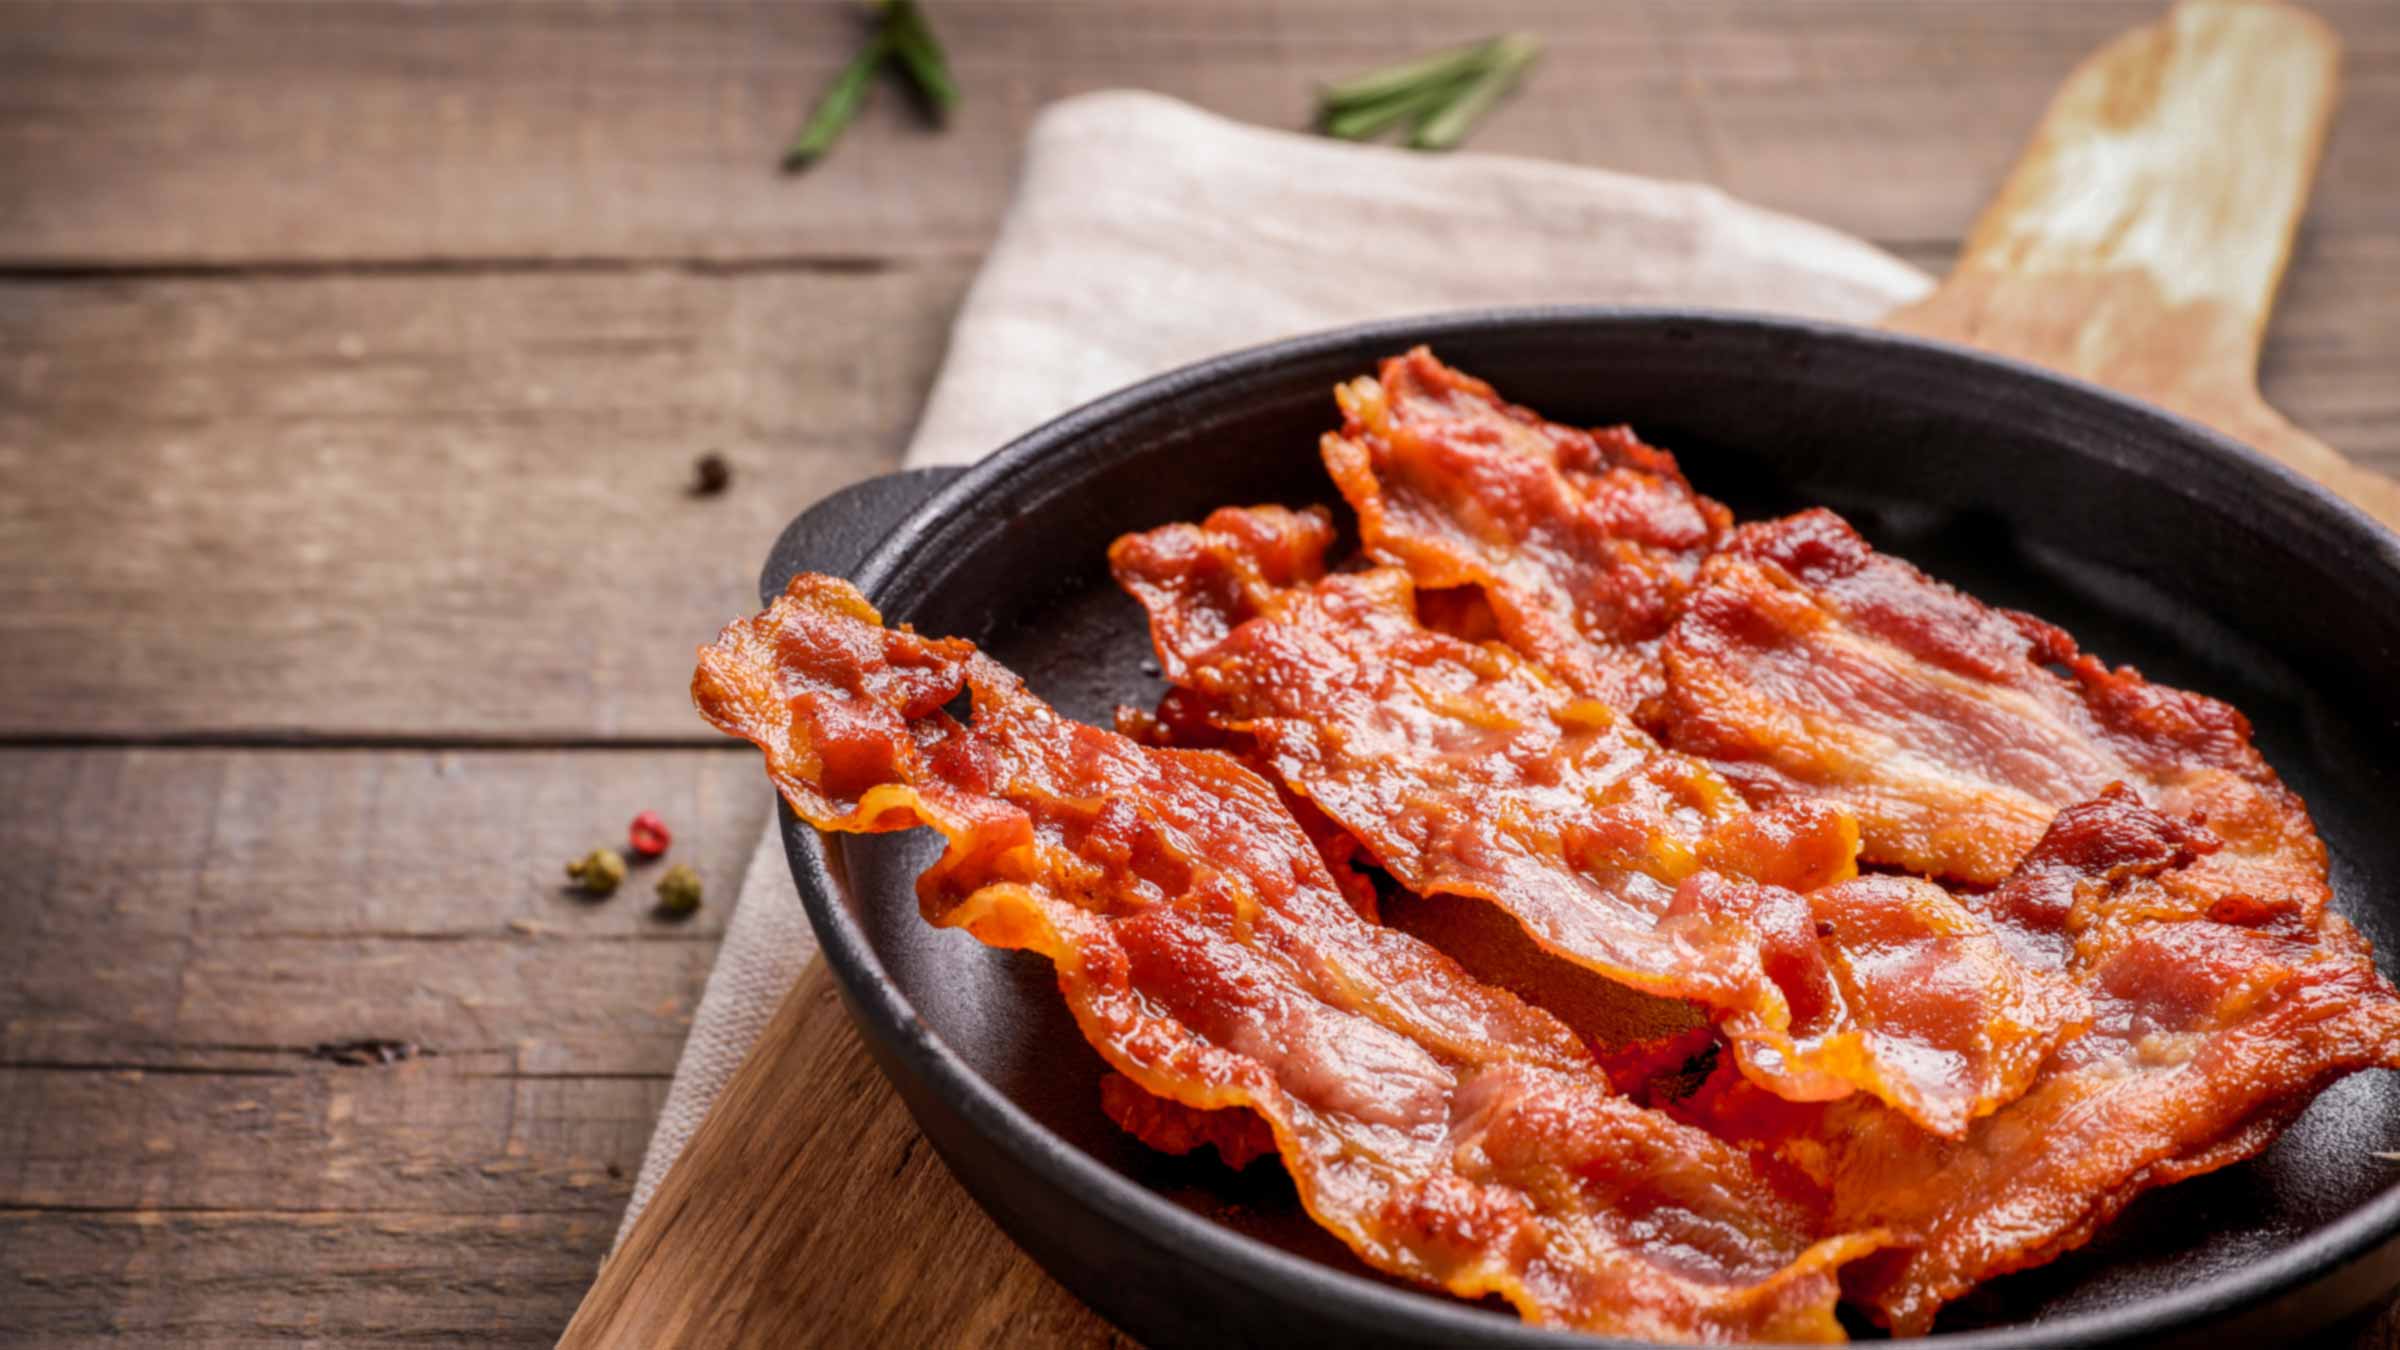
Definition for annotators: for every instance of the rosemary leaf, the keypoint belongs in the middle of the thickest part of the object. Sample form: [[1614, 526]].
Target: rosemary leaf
[[839, 105], [920, 54], [1449, 125], [1409, 77], [1365, 121]]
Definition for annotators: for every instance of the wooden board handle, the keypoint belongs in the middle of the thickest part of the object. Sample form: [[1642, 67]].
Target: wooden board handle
[[2139, 241]]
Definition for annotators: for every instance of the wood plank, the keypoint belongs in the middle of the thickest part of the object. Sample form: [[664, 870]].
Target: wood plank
[[212, 909], [245, 1278], [191, 924], [2141, 240], [412, 506], [187, 131], [2331, 340], [406, 845], [833, 1179], [2332, 345], [461, 1134], [229, 507], [111, 999]]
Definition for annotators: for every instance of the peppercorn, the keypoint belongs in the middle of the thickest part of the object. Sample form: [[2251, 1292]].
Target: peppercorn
[[679, 891], [710, 473], [648, 836], [598, 872]]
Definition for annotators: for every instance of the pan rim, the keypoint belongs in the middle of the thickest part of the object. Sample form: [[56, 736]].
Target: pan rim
[[889, 1018]]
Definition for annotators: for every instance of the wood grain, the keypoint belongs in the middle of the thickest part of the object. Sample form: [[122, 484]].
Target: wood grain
[[2121, 201], [351, 357], [285, 508], [384, 130], [253, 1277], [809, 1163], [187, 925], [431, 506], [2139, 241]]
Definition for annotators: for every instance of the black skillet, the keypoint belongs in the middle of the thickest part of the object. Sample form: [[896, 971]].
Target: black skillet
[[2152, 540]]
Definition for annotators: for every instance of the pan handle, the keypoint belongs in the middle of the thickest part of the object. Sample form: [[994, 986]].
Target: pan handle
[[838, 533]]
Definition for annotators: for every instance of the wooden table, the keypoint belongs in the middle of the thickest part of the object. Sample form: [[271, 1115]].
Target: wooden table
[[353, 358]]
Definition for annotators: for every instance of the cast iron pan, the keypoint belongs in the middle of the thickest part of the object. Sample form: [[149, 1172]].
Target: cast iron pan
[[2153, 541]]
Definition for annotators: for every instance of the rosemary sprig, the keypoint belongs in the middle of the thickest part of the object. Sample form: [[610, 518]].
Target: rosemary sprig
[[840, 103], [1367, 120], [1408, 76], [921, 53], [1449, 125], [1440, 96], [902, 37]]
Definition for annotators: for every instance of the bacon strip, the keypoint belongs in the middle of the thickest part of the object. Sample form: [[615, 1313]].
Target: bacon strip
[[1811, 670], [1445, 1130], [1466, 771], [1183, 724], [1807, 666], [1583, 541], [1796, 659], [1238, 1135], [2215, 1026]]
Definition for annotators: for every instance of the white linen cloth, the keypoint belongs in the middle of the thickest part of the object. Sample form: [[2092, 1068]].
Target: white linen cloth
[[1145, 234]]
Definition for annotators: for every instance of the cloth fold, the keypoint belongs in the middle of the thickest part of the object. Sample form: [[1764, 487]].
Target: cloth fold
[[1145, 234]]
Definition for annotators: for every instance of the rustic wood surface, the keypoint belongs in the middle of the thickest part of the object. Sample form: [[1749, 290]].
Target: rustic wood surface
[[2119, 249], [2139, 242], [352, 360]]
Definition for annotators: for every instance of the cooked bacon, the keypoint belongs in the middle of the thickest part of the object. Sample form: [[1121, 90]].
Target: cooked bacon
[[1808, 666], [1802, 663], [2213, 1030], [1582, 541], [1445, 1130], [1810, 669], [1239, 1135], [1953, 1085], [1467, 771], [1480, 936], [1182, 723]]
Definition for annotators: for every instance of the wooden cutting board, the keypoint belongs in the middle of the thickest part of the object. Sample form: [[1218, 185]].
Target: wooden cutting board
[[2139, 241], [2137, 244]]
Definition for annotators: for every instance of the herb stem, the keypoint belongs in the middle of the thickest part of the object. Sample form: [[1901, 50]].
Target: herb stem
[[921, 56], [1409, 77], [1446, 127], [839, 105], [1365, 121]]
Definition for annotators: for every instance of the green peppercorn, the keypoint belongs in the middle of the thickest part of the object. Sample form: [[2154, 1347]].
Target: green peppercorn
[[679, 891], [598, 872]]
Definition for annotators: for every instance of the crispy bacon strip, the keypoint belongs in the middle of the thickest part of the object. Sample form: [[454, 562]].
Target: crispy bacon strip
[[1445, 1130], [1467, 771], [1583, 541], [1182, 723], [1810, 669], [1807, 666], [2215, 1027], [1239, 1136], [1799, 661]]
